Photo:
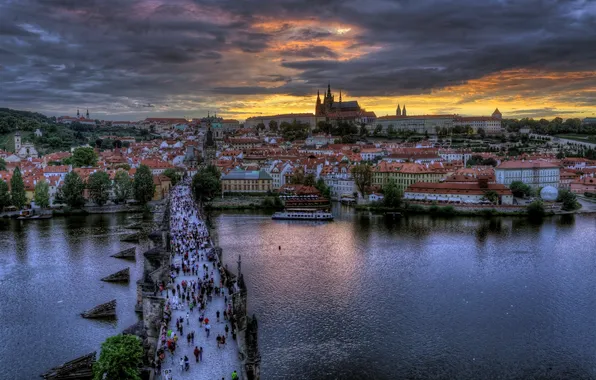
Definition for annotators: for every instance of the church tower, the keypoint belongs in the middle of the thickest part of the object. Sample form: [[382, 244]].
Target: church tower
[[87, 116], [209, 147], [403, 112], [78, 113], [398, 111], [497, 114], [318, 111], [17, 141]]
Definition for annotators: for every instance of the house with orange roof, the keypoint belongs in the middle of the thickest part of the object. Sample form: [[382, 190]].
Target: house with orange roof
[[535, 173], [584, 184], [458, 193], [406, 173]]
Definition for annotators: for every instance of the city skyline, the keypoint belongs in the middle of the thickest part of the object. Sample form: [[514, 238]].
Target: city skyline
[[134, 59]]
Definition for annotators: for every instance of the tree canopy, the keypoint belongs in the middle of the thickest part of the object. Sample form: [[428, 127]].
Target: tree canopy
[[520, 189], [72, 190], [99, 185], [122, 186], [42, 194], [143, 186], [84, 156], [4, 195], [362, 177], [121, 358], [568, 200], [206, 184], [392, 195], [173, 175], [17, 189]]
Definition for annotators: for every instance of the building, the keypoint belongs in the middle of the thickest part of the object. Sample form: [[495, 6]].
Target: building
[[230, 125], [209, 148], [350, 110], [24, 150], [243, 181], [585, 184], [340, 185], [303, 118], [405, 174], [462, 193], [490, 125], [536, 174], [421, 124]]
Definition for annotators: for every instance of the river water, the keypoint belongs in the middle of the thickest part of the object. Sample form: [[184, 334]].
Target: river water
[[357, 298], [50, 271], [419, 298]]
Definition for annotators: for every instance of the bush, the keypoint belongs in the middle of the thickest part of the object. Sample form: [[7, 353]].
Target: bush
[[536, 209]]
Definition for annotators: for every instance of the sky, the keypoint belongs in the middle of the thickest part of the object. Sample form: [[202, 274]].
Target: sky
[[131, 59]]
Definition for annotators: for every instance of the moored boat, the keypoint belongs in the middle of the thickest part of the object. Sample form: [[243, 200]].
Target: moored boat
[[302, 215]]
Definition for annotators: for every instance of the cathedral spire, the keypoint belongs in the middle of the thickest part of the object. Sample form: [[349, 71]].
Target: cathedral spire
[[78, 113], [398, 111], [340, 97], [87, 113], [403, 112], [329, 89]]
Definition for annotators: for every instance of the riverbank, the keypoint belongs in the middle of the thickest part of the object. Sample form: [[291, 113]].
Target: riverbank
[[451, 210], [246, 202]]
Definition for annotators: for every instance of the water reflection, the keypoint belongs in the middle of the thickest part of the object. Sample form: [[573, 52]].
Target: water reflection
[[50, 272], [419, 297]]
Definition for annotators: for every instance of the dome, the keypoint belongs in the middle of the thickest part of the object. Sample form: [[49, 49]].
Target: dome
[[549, 193]]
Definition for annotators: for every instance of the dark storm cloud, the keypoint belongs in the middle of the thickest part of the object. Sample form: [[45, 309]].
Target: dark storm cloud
[[61, 51], [310, 52]]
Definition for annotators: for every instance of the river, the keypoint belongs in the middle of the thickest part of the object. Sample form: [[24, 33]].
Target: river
[[419, 298], [357, 298], [50, 271]]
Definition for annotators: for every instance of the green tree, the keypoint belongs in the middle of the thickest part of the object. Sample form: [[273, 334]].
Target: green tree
[[143, 186], [206, 184], [121, 358], [72, 190], [569, 200], [99, 185], [4, 195], [122, 186], [17, 189], [323, 188], [378, 130], [2, 164], [362, 177], [309, 180], [84, 156], [273, 125], [297, 178], [491, 196], [481, 133], [392, 195], [520, 189], [42, 194], [536, 209], [173, 175]]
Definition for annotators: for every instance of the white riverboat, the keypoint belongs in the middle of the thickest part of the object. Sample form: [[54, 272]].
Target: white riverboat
[[303, 215]]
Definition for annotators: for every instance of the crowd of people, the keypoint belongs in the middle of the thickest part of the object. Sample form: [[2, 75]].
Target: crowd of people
[[196, 300]]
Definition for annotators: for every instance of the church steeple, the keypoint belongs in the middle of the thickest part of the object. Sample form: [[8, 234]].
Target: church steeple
[[87, 113], [78, 113], [403, 112], [398, 111]]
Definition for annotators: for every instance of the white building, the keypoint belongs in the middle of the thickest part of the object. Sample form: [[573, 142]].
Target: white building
[[340, 184], [533, 173], [418, 124], [304, 118], [490, 125]]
